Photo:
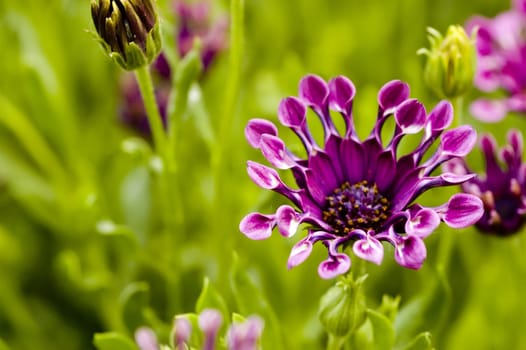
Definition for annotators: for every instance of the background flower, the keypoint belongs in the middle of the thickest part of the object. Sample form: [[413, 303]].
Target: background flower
[[501, 187], [501, 63]]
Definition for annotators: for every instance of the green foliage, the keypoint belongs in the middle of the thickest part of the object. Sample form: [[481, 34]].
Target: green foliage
[[101, 233]]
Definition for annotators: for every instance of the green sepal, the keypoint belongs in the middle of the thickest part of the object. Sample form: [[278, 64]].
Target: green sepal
[[383, 331], [420, 342]]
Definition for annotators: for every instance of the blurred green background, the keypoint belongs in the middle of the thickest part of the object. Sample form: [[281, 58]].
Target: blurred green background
[[83, 248]]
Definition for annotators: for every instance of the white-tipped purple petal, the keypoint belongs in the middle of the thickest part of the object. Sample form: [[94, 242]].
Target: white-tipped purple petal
[[292, 112], [314, 90], [489, 111], [441, 116], [288, 220], [263, 176], [342, 92], [369, 249], [146, 339], [410, 252], [458, 142], [392, 94], [257, 128], [299, 253], [422, 223], [210, 321], [275, 151], [456, 178], [410, 116], [257, 226], [462, 210], [334, 266]]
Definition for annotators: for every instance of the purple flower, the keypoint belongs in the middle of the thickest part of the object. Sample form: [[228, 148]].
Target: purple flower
[[502, 188], [501, 62], [195, 22], [359, 193], [245, 335], [240, 336], [146, 339]]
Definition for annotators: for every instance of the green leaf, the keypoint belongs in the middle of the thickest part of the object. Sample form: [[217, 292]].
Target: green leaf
[[420, 342], [383, 331], [113, 341], [134, 300], [251, 300], [426, 312], [210, 298], [135, 200]]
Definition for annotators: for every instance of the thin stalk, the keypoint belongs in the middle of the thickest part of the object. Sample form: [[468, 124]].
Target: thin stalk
[[144, 79]]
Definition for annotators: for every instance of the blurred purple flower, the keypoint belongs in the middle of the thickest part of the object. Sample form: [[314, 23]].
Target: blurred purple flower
[[359, 193], [193, 22], [240, 336], [501, 62], [502, 189]]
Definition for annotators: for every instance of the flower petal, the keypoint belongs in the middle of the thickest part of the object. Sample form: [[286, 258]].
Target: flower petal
[[489, 111], [334, 266], [410, 252], [274, 150], [369, 249], [263, 176], [462, 210], [313, 90], [422, 223], [410, 116], [458, 142], [287, 220], [299, 253], [146, 339], [257, 226], [392, 94], [385, 169], [352, 160], [441, 116], [292, 112], [342, 92], [257, 128]]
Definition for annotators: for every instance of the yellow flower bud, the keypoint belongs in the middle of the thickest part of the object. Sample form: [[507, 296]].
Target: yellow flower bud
[[451, 60]]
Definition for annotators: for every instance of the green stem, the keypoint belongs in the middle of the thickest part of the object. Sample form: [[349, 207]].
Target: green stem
[[458, 105], [144, 79]]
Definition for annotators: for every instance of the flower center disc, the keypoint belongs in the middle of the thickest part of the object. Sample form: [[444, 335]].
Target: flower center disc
[[358, 206]]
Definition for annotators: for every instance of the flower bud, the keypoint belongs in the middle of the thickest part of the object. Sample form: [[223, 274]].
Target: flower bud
[[451, 61], [342, 308], [128, 30]]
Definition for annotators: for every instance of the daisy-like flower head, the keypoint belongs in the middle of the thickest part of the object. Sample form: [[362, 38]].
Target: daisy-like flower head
[[501, 62], [502, 188], [359, 193]]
